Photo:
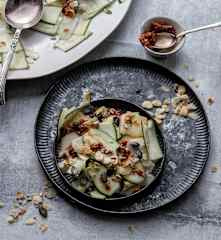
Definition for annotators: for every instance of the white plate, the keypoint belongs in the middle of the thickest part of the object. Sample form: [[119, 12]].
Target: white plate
[[52, 60]]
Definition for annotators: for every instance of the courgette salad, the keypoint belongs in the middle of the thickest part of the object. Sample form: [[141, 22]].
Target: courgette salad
[[107, 152]]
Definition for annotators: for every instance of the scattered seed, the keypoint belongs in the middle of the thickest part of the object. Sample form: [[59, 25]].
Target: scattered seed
[[156, 103], [10, 219], [214, 169], [211, 100], [1, 204], [43, 227], [43, 210], [30, 221], [147, 104], [36, 199], [190, 79]]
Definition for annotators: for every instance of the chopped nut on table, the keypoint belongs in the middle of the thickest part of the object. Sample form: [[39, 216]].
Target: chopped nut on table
[[214, 169], [180, 105], [43, 210], [10, 219], [147, 104], [211, 100], [36, 199], [20, 196], [190, 79], [43, 227], [30, 221]]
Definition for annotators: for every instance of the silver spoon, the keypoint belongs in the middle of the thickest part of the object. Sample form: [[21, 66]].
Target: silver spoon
[[20, 14], [168, 40]]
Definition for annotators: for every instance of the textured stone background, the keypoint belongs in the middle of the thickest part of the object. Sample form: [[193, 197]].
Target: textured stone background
[[194, 216]]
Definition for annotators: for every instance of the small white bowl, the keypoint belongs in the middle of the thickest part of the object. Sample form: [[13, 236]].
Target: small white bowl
[[164, 53]]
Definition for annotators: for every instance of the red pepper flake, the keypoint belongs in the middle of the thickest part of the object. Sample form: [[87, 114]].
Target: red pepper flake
[[96, 147]]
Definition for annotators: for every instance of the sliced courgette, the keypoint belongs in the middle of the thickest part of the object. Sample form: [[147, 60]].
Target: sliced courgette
[[97, 195], [72, 42], [107, 126], [94, 7], [62, 118], [57, 3], [82, 26], [77, 143], [137, 175], [66, 142], [51, 14], [78, 186], [18, 61], [103, 138], [46, 28], [67, 27], [151, 141], [98, 173]]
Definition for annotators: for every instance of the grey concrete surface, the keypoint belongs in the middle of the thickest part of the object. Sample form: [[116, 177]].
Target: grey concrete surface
[[197, 215]]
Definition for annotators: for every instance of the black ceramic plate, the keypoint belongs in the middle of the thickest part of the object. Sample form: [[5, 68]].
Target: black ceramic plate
[[187, 140]]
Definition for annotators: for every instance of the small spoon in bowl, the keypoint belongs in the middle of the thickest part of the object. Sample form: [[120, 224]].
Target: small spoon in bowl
[[20, 14], [167, 40]]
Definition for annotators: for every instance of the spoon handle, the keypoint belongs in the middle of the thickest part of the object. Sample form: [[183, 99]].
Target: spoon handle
[[7, 63], [199, 29]]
